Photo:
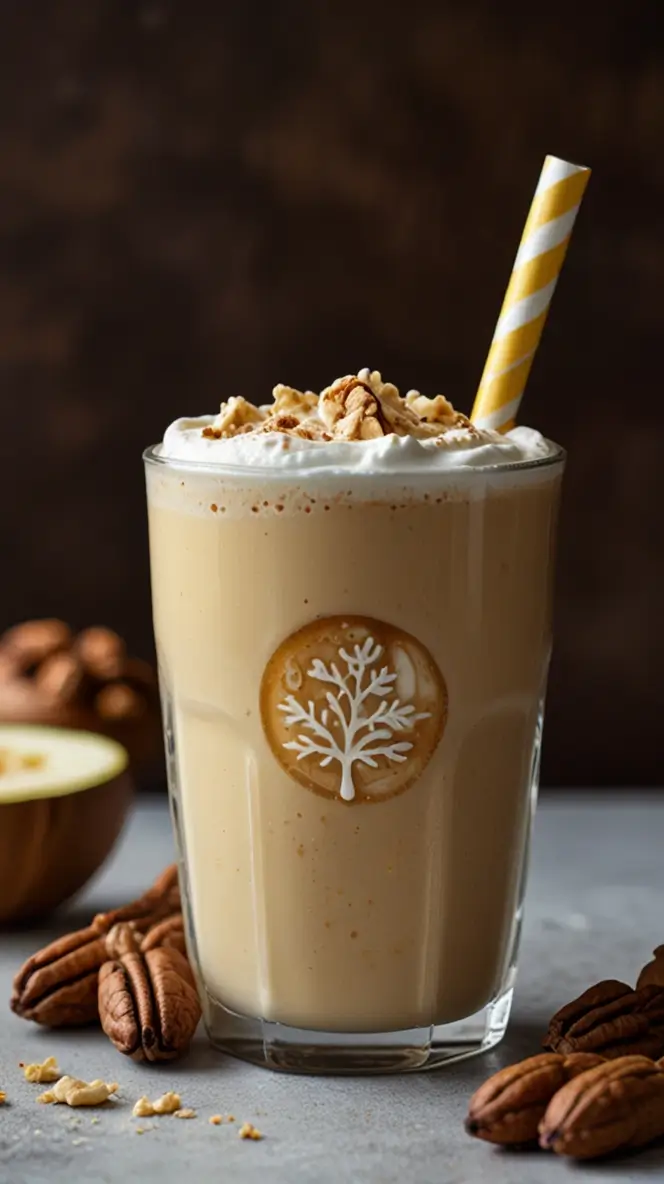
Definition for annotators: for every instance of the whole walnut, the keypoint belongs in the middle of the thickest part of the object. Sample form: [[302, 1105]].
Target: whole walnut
[[51, 675]]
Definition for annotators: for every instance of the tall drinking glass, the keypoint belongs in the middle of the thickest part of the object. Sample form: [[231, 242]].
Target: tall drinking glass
[[352, 676]]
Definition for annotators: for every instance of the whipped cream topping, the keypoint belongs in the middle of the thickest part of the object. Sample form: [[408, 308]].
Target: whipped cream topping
[[359, 424]]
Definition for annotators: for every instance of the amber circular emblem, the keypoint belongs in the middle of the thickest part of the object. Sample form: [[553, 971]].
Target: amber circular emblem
[[353, 708]]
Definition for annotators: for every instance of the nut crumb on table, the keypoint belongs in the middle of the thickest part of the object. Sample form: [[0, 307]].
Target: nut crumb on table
[[248, 1131], [41, 1073], [72, 1092], [168, 1103], [184, 1112], [3, 1097]]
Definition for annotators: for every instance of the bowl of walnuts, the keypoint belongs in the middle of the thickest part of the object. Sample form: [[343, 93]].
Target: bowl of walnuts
[[50, 674]]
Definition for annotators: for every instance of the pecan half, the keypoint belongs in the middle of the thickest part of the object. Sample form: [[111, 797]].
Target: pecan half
[[653, 973], [612, 1020], [596, 996], [148, 1005], [617, 1105], [508, 1108], [57, 986]]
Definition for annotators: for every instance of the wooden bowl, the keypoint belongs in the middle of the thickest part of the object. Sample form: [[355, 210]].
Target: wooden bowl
[[64, 796]]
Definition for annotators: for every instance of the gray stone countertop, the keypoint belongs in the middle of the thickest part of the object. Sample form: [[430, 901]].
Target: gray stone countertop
[[595, 909]]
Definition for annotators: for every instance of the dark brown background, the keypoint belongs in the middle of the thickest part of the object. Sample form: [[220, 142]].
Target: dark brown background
[[200, 198]]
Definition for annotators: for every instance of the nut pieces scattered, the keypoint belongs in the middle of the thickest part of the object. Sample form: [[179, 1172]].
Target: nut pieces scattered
[[147, 999], [168, 1103], [599, 1088], [248, 1131], [72, 1092]]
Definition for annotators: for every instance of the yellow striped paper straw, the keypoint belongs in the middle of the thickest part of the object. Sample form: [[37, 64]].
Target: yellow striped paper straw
[[535, 272]]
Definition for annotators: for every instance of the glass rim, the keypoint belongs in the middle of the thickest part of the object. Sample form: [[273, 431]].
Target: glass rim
[[556, 457]]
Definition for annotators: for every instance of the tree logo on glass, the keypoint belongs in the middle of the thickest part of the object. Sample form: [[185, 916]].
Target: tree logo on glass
[[353, 707]]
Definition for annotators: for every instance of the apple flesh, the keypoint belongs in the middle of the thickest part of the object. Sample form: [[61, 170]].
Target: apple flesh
[[64, 796]]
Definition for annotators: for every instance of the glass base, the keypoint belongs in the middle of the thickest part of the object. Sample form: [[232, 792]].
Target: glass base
[[296, 1050]]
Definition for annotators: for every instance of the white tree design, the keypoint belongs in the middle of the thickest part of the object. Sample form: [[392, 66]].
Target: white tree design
[[362, 737]]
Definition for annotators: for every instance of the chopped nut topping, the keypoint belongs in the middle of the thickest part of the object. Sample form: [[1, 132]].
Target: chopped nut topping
[[312, 430], [356, 407], [351, 410], [280, 423], [41, 1073], [248, 1131], [288, 401], [168, 1103], [234, 416], [72, 1092], [438, 410]]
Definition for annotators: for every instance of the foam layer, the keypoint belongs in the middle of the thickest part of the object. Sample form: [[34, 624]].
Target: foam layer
[[399, 455]]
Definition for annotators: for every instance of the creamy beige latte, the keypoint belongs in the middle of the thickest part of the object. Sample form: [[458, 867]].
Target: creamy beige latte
[[352, 601]]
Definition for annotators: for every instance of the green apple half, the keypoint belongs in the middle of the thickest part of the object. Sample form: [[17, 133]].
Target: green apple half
[[63, 799]]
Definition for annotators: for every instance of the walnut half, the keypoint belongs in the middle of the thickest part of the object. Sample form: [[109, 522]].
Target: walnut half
[[351, 411]]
